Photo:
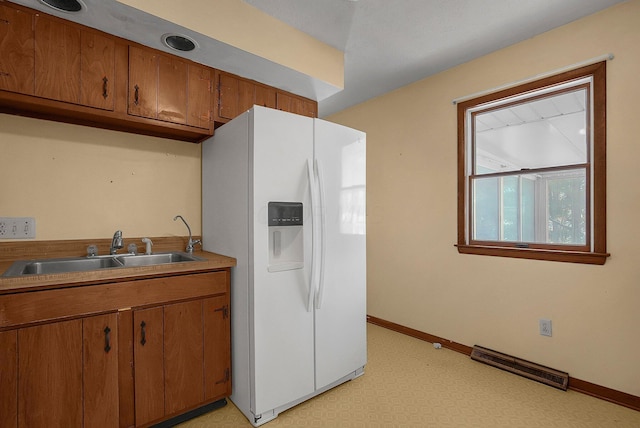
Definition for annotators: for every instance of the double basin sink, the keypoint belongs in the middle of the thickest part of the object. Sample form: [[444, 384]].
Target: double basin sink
[[82, 264]]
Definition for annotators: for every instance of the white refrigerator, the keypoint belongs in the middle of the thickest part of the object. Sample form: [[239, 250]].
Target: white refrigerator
[[285, 195]]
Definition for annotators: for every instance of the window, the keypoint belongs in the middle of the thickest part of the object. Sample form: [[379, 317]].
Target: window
[[532, 169]]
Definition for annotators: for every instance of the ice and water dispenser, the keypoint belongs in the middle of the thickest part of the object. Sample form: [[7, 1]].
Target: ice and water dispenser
[[286, 240]]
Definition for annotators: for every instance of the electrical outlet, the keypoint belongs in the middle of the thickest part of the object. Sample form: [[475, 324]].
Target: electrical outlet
[[545, 327], [17, 227]]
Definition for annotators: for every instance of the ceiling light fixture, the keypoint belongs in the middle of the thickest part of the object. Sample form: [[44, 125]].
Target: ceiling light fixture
[[179, 42], [65, 5]]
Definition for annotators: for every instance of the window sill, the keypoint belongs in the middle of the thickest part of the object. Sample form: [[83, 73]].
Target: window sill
[[536, 254]]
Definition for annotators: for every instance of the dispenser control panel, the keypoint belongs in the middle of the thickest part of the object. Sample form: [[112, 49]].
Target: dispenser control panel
[[285, 214]]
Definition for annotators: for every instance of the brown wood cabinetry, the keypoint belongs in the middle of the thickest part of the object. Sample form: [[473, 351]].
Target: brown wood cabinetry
[[55, 69], [16, 50], [57, 60], [178, 358], [236, 95], [9, 379], [67, 373], [296, 104], [166, 88], [97, 68], [75, 358]]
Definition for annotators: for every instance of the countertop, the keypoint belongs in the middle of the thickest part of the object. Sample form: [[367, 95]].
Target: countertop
[[30, 283]]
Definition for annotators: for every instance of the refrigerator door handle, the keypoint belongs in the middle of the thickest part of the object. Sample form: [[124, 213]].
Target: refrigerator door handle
[[313, 252], [323, 232]]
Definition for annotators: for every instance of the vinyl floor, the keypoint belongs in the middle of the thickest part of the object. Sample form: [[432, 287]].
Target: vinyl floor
[[409, 383]]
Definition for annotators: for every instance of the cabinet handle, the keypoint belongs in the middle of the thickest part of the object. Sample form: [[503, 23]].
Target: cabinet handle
[[107, 339], [143, 333], [104, 87], [224, 310], [135, 95], [225, 379]]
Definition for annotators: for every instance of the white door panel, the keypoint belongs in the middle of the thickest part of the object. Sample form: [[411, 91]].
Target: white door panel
[[283, 352], [340, 325]]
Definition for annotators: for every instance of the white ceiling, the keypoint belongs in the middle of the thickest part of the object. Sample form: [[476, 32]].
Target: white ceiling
[[391, 43], [387, 43]]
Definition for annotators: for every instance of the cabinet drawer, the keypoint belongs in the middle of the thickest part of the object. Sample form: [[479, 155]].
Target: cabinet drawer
[[49, 305]]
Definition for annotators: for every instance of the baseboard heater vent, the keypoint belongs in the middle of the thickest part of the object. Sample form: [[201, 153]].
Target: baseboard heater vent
[[530, 370]]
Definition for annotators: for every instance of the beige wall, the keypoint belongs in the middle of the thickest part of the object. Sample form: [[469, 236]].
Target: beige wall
[[80, 182], [415, 275]]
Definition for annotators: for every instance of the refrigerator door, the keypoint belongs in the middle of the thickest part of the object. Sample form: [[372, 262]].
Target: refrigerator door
[[281, 324], [340, 301]]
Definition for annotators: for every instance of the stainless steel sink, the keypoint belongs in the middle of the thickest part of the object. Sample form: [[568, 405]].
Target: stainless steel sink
[[157, 259], [83, 264]]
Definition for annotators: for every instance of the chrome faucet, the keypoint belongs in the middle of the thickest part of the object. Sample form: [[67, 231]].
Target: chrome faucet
[[116, 242], [191, 242]]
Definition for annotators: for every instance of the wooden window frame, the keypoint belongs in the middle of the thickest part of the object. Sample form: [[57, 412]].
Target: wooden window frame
[[595, 251]]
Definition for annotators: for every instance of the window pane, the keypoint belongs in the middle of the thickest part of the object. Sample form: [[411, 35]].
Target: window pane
[[528, 209], [567, 212], [506, 208], [540, 133], [485, 192], [510, 211]]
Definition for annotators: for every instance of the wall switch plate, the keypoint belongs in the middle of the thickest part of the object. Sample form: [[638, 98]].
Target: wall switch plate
[[17, 228], [545, 327]]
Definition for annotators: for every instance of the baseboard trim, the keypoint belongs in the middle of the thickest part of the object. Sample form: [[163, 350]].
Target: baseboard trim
[[582, 386]]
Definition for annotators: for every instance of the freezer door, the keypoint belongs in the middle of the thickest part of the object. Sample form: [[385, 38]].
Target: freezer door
[[340, 325], [281, 323]]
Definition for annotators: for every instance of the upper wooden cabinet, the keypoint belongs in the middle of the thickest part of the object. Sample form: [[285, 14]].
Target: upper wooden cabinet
[[16, 50], [167, 88], [55, 69], [97, 67], [295, 104], [235, 95], [73, 64]]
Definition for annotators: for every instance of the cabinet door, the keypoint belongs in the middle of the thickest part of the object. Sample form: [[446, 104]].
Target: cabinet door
[[296, 105], [217, 348], [57, 60], [16, 50], [172, 89], [50, 375], [9, 379], [246, 95], [98, 71], [100, 371], [199, 107], [143, 82], [149, 364], [228, 89], [265, 96], [183, 347]]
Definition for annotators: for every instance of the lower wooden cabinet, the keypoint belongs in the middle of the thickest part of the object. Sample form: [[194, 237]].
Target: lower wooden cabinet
[[9, 379], [126, 367], [178, 359], [67, 373]]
